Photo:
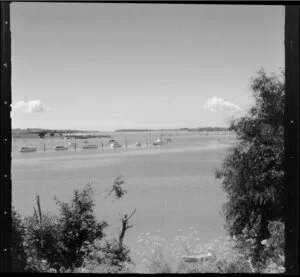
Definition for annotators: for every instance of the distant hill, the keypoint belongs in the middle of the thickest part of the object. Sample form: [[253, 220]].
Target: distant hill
[[39, 132], [208, 129], [199, 129], [133, 130]]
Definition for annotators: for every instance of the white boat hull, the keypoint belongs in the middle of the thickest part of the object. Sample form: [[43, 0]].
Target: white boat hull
[[115, 145], [158, 143], [90, 147], [61, 148], [29, 149]]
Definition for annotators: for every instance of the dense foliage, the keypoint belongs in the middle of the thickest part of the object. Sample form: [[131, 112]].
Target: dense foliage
[[106, 256], [50, 242], [252, 174], [19, 257], [78, 224], [42, 241]]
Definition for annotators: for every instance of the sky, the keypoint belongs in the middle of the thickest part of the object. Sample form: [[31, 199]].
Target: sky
[[98, 66]]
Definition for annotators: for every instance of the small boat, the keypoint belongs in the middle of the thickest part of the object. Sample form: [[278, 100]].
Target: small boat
[[90, 146], [138, 144], [169, 140], [158, 142], [27, 149], [199, 258], [72, 143], [111, 141], [86, 141], [115, 145], [60, 147]]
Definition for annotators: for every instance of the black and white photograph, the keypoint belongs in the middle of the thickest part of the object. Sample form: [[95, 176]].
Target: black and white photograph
[[147, 138]]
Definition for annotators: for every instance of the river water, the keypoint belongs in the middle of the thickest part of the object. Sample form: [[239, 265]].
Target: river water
[[172, 186]]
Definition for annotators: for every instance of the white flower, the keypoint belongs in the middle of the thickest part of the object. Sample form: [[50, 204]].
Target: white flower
[[265, 242]]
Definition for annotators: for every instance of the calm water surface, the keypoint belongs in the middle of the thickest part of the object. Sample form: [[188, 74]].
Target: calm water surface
[[172, 186]]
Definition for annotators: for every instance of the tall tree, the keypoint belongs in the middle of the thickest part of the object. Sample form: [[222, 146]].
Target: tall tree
[[79, 224], [252, 173]]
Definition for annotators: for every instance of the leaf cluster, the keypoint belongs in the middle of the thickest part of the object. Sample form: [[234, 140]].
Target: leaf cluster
[[106, 255], [55, 241]]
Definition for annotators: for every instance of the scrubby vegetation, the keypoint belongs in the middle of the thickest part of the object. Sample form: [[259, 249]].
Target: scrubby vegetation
[[64, 242], [161, 256], [106, 256], [218, 256], [252, 174]]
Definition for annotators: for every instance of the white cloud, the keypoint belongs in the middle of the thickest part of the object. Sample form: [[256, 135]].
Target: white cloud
[[32, 106], [217, 104]]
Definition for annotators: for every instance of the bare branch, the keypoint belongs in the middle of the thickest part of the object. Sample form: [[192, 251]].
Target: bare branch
[[131, 214]]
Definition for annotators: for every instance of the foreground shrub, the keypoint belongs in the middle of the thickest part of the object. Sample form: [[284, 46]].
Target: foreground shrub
[[52, 243], [106, 256], [43, 242], [78, 224], [274, 248], [18, 254], [252, 174]]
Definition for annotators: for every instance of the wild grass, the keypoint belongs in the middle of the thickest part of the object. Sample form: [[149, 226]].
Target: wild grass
[[166, 256]]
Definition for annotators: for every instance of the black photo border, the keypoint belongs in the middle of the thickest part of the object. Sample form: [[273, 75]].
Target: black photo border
[[291, 126]]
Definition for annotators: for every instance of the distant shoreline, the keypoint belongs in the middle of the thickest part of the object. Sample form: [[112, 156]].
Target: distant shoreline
[[200, 129], [50, 133]]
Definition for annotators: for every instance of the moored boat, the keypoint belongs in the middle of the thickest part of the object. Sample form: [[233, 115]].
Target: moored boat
[[138, 144], [115, 145], [158, 142], [90, 146], [27, 149], [60, 147]]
